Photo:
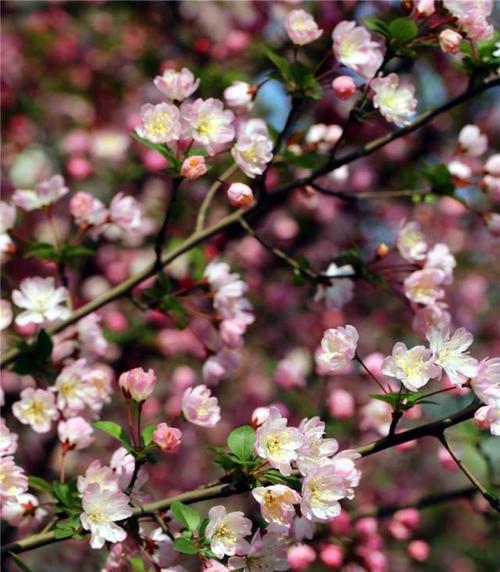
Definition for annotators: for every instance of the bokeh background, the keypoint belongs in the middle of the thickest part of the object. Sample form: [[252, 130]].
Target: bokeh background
[[74, 75]]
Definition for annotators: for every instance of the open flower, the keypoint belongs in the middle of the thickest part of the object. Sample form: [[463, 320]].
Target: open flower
[[41, 301], [397, 103], [451, 355], [411, 242], [226, 531], [23, 512], [8, 440], [44, 194], [101, 510], [208, 123], [265, 554], [13, 481], [253, 149], [413, 367], [160, 123], [177, 86], [200, 407], [486, 382], [338, 348], [316, 448], [75, 433], [354, 48], [277, 503], [301, 27], [278, 443], [471, 141], [36, 408], [424, 286]]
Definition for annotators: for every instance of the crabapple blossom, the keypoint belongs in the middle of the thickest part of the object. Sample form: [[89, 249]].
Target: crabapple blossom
[[354, 48], [265, 554], [341, 289], [449, 41], [396, 102], [435, 315], [325, 486], [36, 408], [75, 433], [253, 149], [194, 167], [239, 95], [160, 123], [226, 532], [200, 407], [338, 348], [45, 193], [488, 417], [177, 86], [343, 87], [323, 136], [208, 123], [450, 354], [167, 438], [486, 382], [159, 545], [260, 415], [424, 286], [101, 475], [24, 511], [293, 369], [411, 242], [460, 171], [302, 28], [7, 221], [440, 257], [13, 481], [101, 510], [316, 448], [472, 141], [6, 314], [277, 503], [413, 367], [220, 366], [41, 301], [137, 383], [240, 195], [125, 212], [419, 550], [73, 393], [277, 443], [332, 556], [472, 17], [87, 210], [8, 440]]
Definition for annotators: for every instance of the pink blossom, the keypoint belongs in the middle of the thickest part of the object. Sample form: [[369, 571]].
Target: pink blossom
[[341, 404], [13, 481], [75, 433], [332, 556], [492, 221], [177, 86], [160, 123], [44, 194], [411, 242], [486, 382], [194, 167], [424, 286], [354, 48], [239, 95], [137, 383], [167, 438], [338, 348], [301, 556], [434, 315], [449, 41], [413, 367], [87, 210], [240, 195], [125, 212], [472, 141], [425, 7], [440, 257], [41, 301], [208, 123], [200, 407], [8, 440], [488, 417], [472, 17], [277, 503], [419, 550], [23, 511], [343, 87], [36, 408], [301, 27], [253, 149], [6, 314], [396, 102]]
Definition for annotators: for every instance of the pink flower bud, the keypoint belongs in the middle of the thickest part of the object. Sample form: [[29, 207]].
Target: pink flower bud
[[194, 167], [300, 556], [240, 195], [419, 550], [167, 438], [343, 87], [341, 404], [332, 556], [78, 167], [259, 416], [410, 517], [449, 41], [137, 383]]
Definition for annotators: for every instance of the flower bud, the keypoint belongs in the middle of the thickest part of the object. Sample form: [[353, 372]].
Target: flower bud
[[137, 383], [193, 167], [259, 416], [419, 550], [167, 438], [301, 556], [343, 87], [239, 95], [449, 41], [240, 195], [75, 433]]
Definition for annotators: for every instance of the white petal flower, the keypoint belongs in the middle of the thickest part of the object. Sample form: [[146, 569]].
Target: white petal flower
[[413, 367], [397, 103], [266, 554], [177, 86], [226, 532], [41, 300], [411, 242], [200, 407], [253, 149], [44, 194], [338, 348], [451, 355], [277, 503], [13, 481], [160, 123], [36, 408], [316, 448], [486, 383]]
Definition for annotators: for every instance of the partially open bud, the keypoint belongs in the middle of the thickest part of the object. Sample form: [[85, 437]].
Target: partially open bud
[[167, 438], [193, 167], [240, 195], [343, 87], [449, 41], [137, 383]]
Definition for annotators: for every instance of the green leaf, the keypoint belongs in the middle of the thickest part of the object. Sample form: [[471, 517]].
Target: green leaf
[[21, 564], [147, 434], [137, 564], [241, 442], [42, 251], [185, 546], [403, 29], [280, 63], [440, 179], [116, 431], [62, 530], [39, 484], [378, 26], [186, 515]]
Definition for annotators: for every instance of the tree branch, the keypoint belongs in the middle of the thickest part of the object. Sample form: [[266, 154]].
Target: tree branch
[[162, 233]]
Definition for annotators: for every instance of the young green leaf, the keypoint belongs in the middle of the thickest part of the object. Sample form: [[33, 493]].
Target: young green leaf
[[116, 431], [185, 546], [39, 484], [186, 515], [241, 442], [403, 29], [147, 434]]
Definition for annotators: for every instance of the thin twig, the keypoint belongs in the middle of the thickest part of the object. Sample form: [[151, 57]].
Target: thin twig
[[162, 233], [207, 200]]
